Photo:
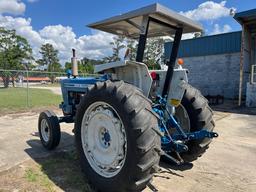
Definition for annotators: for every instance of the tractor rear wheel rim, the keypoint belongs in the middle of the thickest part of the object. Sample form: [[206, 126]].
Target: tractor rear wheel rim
[[45, 132], [104, 139], [182, 118]]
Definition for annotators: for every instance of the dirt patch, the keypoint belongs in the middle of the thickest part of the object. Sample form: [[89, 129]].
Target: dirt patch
[[59, 172], [231, 106], [227, 166], [27, 177], [19, 139], [25, 111]]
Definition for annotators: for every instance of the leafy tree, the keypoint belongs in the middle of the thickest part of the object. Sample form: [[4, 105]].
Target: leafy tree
[[85, 65], [117, 45], [132, 45], [15, 51], [153, 53], [50, 59], [68, 65]]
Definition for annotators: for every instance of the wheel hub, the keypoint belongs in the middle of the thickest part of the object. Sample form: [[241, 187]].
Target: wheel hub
[[45, 130], [104, 139], [182, 118]]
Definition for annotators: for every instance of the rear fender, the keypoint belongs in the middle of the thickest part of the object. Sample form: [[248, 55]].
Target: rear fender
[[132, 72], [177, 87]]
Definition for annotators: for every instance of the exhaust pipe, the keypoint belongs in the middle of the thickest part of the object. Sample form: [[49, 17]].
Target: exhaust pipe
[[74, 64]]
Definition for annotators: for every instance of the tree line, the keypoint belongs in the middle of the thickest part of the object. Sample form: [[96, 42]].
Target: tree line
[[16, 54]]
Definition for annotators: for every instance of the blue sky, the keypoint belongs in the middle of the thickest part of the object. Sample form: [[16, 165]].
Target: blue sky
[[78, 13], [63, 23]]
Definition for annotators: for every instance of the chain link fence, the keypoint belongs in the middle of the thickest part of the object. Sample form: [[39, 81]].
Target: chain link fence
[[25, 89]]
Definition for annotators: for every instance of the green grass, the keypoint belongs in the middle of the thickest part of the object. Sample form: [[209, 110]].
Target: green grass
[[61, 169], [65, 167], [14, 99], [35, 175], [46, 85], [30, 175]]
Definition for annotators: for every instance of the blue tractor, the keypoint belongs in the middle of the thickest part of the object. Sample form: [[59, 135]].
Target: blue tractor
[[127, 117]]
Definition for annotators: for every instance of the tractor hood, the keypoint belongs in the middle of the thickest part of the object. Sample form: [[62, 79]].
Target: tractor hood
[[129, 24]]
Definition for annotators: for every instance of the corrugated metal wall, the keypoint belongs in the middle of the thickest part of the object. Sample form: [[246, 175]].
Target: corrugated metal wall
[[208, 45]]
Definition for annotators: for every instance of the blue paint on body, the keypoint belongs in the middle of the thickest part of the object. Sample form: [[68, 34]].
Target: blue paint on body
[[76, 85]]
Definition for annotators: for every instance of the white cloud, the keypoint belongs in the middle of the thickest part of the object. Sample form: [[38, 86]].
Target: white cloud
[[96, 45], [23, 27], [93, 46], [15, 7], [188, 36], [217, 29], [63, 38], [208, 10]]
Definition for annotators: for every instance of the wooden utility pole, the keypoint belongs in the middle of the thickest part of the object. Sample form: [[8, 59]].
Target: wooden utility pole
[[241, 66]]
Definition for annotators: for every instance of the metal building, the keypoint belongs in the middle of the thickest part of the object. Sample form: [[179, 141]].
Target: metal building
[[208, 45], [247, 19], [223, 64]]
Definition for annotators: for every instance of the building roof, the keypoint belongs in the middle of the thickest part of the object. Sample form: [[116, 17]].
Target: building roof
[[207, 45], [248, 18], [128, 24]]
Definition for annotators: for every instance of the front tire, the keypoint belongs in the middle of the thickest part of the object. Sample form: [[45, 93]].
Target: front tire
[[118, 106], [49, 129]]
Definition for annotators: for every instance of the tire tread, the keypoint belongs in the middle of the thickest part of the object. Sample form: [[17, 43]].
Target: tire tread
[[142, 117]]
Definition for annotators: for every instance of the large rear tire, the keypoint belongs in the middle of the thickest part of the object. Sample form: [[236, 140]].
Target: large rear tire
[[116, 115], [200, 117]]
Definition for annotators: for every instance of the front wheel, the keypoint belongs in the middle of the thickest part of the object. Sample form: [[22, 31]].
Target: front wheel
[[115, 137], [49, 129]]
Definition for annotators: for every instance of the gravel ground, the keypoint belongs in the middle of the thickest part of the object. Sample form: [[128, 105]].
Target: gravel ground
[[228, 165]]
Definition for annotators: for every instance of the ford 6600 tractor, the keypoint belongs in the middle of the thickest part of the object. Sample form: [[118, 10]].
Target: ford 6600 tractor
[[127, 117]]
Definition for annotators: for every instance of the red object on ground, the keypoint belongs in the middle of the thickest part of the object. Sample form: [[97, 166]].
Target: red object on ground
[[36, 79]]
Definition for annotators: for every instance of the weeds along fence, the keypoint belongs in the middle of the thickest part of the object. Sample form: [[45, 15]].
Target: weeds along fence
[[22, 89]]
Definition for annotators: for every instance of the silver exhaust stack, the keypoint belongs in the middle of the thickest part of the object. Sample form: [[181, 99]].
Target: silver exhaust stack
[[74, 64]]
